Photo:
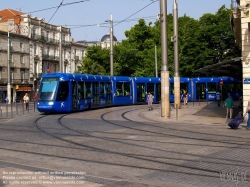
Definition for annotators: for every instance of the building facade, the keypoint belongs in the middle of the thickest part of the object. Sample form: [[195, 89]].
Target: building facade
[[36, 47], [240, 22]]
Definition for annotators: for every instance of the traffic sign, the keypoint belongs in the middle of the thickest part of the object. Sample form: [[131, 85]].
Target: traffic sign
[[221, 82]]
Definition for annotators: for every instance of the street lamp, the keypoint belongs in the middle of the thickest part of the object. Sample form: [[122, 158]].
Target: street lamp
[[111, 45]]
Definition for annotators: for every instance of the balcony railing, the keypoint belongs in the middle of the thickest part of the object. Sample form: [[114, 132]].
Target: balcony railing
[[49, 57], [66, 43], [37, 75]]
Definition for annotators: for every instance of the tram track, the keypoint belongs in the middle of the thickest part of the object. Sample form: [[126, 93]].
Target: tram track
[[142, 157], [168, 163]]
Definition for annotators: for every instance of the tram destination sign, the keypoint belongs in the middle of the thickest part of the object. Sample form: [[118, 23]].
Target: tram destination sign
[[246, 81]]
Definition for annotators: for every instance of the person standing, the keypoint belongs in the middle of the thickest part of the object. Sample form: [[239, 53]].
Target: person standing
[[218, 95], [248, 111], [229, 103], [184, 96], [26, 100], [150, 100]]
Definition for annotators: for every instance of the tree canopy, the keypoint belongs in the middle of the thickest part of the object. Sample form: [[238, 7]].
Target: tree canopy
[[201, 42]]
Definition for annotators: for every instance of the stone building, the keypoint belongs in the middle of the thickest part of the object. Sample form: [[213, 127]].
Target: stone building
[[240, 21], [36, 48]]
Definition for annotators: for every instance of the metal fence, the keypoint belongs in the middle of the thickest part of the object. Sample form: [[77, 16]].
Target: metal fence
[[13, 110]]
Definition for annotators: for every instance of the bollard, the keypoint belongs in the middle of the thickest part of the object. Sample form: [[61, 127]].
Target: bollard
[[28, 107], [207, 102], [7, 112], [34, 106], [16, 109], [199, 100], [23, 108], [1, 113], [11, 108], [176, 106]]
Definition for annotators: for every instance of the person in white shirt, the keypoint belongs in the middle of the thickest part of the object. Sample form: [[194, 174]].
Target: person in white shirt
[[218, 95], [26, 100]]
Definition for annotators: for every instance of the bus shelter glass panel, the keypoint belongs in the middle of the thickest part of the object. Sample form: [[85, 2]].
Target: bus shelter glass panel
[[158, 91], [141, 92], [108, 93], [200, 91], [95, 93]]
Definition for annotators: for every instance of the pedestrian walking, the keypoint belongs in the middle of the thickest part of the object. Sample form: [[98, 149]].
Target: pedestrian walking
[[184, 96], [218, 98], [6, 99], [26, 101], [150, 100], [248, 111], [229, 103]]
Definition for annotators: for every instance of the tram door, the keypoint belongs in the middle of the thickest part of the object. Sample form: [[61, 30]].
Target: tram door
[[201, 91], [108, 94], [141, 92], [74, 93], [95, 93], [158, 92]]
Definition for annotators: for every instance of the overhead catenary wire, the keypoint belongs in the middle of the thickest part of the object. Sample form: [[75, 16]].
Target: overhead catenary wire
[[56, 11]]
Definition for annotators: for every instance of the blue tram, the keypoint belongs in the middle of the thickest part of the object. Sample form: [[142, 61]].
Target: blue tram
[[65, 92]]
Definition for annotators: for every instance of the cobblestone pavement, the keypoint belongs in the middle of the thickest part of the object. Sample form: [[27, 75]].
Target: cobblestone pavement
[[125, 146]]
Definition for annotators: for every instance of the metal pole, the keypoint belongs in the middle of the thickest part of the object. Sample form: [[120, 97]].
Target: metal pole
[[156, 68], [60, 51], [176, 107], [165, 110], [192, 84], [16, 109], [8, 71], [111, 47], [11, 109], [7, 116], [176, 56]]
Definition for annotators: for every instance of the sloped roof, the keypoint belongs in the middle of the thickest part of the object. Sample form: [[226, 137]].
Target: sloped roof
[[8, 13]]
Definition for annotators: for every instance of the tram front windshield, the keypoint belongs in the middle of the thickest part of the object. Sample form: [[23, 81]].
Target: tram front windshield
[[48, 89]]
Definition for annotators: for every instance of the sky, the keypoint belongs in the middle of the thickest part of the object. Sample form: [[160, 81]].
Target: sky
[[86, 18]]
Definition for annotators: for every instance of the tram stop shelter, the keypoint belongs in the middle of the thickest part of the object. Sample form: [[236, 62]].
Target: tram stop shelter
[[229, 68]]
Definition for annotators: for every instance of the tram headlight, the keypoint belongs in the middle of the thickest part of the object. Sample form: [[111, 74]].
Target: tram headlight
[[51, 103]]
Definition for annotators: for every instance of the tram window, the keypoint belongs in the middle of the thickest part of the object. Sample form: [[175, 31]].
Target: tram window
[[211, 88], [150, 88], [127, 89], [88, 90], [102, 88], [63, 91], [172, 88], [232, 87], [184, 87], [158, 91], [81, 90], [48, 89], [122, 89]]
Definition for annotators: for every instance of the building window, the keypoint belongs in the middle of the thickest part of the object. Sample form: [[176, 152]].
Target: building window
[[34, 32], [65, 69], [21, 59], [11, 75], [47, 34], [54, 52], [82, 53], [35, 68], [54, 36], [35, 48], [54, 65], [48, 51], [22, 71], [75, 66], [75, 51], [11, 58], [21, 46], [64, 54]]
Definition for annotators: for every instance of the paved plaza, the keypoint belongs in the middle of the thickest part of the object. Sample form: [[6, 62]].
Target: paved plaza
[[125, 146]]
